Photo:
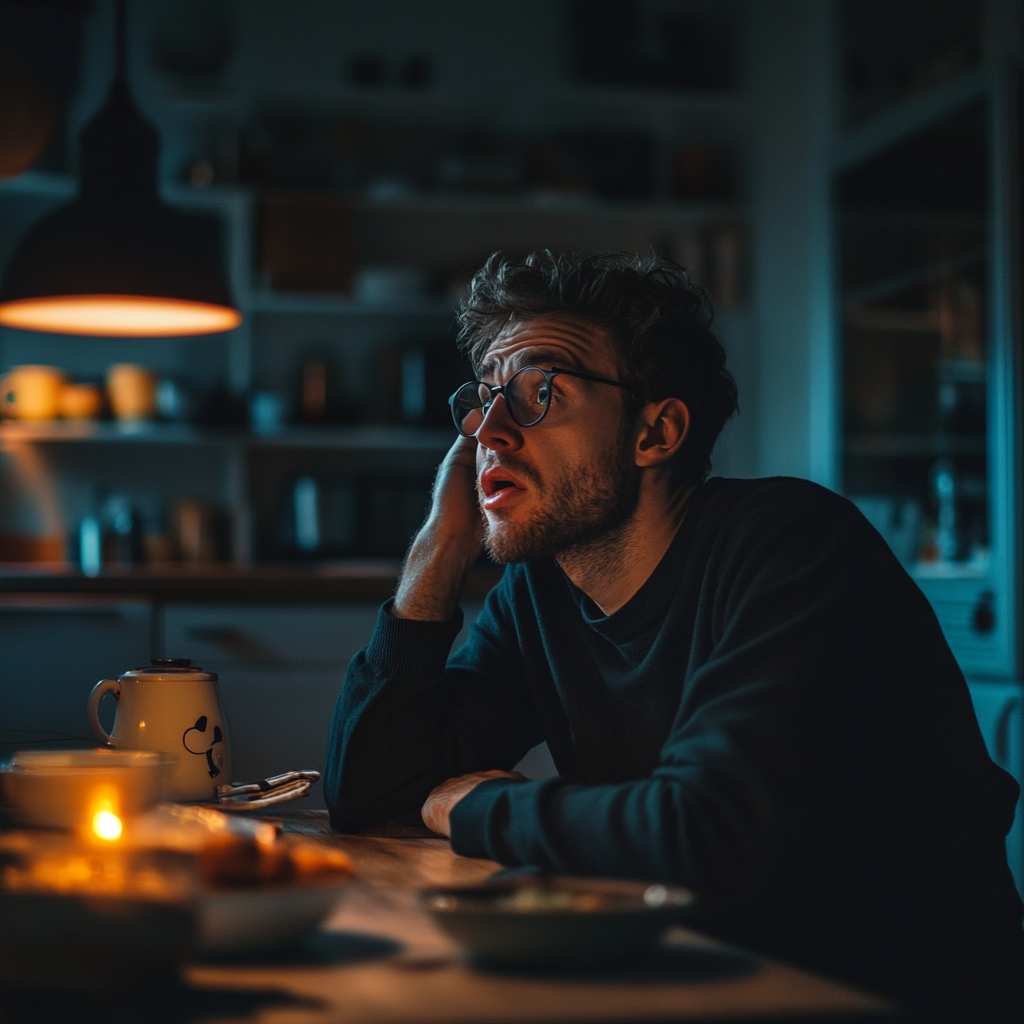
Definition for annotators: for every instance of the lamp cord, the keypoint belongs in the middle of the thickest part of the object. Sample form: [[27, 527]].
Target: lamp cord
[[120, 21]]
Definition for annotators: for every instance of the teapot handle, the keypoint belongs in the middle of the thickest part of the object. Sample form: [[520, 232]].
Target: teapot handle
[[112, 686]]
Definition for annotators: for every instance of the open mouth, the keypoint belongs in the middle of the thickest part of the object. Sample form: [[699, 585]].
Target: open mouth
[[498, 486]]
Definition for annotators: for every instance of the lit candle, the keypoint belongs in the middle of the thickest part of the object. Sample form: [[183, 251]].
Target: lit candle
[[107, 825]]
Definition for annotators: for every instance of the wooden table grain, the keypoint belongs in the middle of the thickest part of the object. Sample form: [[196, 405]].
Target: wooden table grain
[[379, 958]]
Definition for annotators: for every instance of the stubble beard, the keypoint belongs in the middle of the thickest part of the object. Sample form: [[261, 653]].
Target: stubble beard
[[582, 512]]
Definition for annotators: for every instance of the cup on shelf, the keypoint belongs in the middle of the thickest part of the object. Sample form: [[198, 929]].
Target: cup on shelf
[[132, 391], [197, 530], [266, 411], [80, 401], [174, 400], [32, 392]]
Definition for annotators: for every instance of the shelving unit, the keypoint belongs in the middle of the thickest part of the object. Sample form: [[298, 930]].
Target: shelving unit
[[929, 321], [368, 439], [444, 232]]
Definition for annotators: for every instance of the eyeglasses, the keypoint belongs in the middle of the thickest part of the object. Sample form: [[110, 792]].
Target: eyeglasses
[[527, 397]]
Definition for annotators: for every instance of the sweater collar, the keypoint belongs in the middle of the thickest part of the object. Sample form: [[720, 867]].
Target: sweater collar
[[646, 609]]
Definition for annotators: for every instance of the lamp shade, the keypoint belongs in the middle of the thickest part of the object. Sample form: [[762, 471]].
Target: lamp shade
[[122, 262], [116, 261]]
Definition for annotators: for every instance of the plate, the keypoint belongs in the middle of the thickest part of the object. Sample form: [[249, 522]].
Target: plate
[[557, 922], [244, 920]]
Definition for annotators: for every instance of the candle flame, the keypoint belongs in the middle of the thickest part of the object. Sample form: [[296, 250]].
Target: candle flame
[[107, 825]]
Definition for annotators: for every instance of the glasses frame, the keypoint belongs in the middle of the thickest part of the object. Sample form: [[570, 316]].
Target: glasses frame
[[500, 389]]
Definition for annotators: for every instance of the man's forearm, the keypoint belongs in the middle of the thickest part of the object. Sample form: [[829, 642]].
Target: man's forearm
[[433, 576], [447, 544]]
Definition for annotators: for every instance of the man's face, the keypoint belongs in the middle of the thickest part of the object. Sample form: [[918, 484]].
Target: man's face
[[571, 479]]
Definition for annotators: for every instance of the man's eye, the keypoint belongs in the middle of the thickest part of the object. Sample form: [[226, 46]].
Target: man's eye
[[542, 395]]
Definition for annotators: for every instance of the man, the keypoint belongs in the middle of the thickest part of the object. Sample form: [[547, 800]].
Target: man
[[742, 689]]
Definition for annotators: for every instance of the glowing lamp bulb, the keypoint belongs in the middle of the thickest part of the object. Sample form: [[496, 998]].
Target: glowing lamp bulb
[[107, 825], [118, 316]]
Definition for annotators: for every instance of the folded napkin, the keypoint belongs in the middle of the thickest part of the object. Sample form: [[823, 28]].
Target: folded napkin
[[274, 790]]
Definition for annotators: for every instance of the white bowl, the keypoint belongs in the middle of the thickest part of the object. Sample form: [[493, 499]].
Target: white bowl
[[64, 788], [244, 920]]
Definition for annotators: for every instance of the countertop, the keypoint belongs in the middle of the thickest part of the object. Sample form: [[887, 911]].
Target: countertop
[[220, 581]]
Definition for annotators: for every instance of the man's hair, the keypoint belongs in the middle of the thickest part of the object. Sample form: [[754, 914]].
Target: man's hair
[[657, 318]]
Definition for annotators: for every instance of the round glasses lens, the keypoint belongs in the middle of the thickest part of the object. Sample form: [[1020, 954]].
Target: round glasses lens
[[528, 394], [468, 407]]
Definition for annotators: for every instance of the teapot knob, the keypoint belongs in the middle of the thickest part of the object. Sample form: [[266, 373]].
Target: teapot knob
[[171, 662]]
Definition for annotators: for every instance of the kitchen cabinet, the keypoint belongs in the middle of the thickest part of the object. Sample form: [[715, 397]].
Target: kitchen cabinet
[[55, 649], [1000, 711], [370, 463], [281, 668], [926, 222], [271, 637]]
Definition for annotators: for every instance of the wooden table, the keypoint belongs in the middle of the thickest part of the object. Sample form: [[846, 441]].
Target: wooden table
[[380, 959]]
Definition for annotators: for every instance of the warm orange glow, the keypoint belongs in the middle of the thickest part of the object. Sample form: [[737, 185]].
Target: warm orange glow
[[107, 825], [121, 316]]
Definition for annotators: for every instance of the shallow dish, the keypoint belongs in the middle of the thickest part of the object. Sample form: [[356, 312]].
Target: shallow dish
[[559, 922], [247, 919], [62, 788], [98, 919]]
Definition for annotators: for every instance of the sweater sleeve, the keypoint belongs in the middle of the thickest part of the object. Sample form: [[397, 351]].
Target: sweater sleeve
[[761, 733], [406, 719]]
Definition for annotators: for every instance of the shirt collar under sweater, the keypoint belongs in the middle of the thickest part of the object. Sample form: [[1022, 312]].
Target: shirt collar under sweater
[[647, 608]]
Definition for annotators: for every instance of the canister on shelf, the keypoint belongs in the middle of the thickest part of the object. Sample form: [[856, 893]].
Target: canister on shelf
[[32, 392], [132, 391]]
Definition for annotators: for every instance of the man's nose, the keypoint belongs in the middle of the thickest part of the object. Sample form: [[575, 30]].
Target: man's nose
[[497, 429]]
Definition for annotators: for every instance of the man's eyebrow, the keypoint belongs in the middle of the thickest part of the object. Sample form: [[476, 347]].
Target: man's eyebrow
[[559, 332], [541, 354]]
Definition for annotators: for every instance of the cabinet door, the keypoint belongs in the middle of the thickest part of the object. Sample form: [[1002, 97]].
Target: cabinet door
[[925, 219], [278, 720], [1000, 711], [226, 637], [281, 668], [54, 652]]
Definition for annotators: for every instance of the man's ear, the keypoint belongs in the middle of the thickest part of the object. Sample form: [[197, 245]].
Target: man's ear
[[663, 427]]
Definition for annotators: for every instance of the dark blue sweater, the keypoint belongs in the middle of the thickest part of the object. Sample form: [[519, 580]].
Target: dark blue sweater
[[774, 719]]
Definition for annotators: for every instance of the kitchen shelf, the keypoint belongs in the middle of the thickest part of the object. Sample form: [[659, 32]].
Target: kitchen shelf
[[950, 570], [914, 445], [364, 439], [897, 321], [547, 204], [962, 371], [384, 439], [265, 300], [40, 184], [680, 105], [372, 580], [901, 282]]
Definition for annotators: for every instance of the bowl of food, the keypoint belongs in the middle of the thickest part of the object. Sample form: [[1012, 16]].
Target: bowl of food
[[67, 788], [557, 923], [259, 895]]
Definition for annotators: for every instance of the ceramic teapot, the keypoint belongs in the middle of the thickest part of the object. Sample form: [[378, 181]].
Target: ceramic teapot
[[173, 706]]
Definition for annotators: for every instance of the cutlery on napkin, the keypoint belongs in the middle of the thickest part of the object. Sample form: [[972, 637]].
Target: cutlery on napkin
[[273, 790]]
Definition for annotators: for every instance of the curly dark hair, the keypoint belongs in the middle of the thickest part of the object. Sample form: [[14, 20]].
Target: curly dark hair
[[658, 319]]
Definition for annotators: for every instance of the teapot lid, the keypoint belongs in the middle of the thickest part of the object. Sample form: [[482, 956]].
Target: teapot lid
[[169, 668]]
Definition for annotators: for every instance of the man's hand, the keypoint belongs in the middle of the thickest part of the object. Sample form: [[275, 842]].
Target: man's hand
[[447, 544], [438, 806]]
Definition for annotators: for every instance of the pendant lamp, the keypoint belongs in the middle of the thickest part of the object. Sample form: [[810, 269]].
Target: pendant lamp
[[116, 261]]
